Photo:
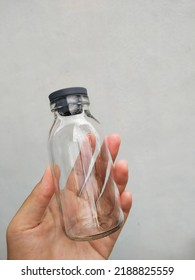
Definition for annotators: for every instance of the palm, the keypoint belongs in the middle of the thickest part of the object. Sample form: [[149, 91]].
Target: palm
[[48, 241], [61, 247], [36, 231]]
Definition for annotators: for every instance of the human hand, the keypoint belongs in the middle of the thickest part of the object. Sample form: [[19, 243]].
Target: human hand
[[35, 232]]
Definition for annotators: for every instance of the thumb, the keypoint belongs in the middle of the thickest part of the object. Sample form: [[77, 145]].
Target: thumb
[[31, 212]]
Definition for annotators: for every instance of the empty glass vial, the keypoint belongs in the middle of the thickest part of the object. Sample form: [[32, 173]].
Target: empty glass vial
[[86, 193]]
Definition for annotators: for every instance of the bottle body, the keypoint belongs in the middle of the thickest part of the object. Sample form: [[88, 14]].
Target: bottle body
[[82, 170]]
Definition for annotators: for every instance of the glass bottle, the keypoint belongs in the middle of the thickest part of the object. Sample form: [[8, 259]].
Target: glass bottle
[[81, 164]]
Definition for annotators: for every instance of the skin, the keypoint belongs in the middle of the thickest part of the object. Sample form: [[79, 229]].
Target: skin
[[35, 232]]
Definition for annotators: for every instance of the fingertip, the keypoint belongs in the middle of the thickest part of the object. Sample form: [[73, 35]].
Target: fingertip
[[121, 173], [126, 201], [122, 166], [113, 142], [47, 181], [114, 138]]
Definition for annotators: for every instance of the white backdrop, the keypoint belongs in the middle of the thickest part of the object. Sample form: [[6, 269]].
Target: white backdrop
[[136, 59]]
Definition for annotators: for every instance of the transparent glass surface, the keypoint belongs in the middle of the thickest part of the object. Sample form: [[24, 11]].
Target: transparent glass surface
[[82, 169]]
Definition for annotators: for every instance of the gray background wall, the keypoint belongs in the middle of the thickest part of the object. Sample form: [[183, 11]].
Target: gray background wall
[[137, 59]]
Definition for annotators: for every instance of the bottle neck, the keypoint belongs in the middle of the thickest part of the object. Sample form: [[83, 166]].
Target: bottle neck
[[70, 105]]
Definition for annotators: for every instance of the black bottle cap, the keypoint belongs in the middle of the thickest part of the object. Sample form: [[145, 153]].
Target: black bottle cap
[[67, 91]]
